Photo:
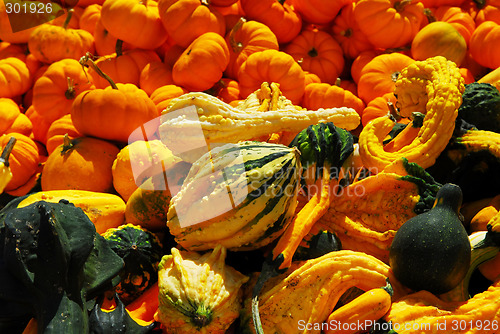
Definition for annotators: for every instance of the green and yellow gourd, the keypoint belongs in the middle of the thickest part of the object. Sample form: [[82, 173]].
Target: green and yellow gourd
[[141, 252], [241, 196]]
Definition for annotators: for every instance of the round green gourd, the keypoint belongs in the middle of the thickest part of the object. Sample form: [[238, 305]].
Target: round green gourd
[[432, 251], [141, 251], [481, 106]]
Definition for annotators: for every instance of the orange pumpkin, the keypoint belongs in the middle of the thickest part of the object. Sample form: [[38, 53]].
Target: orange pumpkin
[[483, 10], [114, 112], [272, 66], [135, 22], [438, 3], [278, 15], [12, 50], [439, 38], [223, 3], [245, 38], [317, 52], [378, 107], [55, 91], [122, 67], [379, 75], [105, 42], [82, 163], [319, 11], [50, 43], [484, 45], [456, 16], [23, 160], [57, 130], [12, 120], [162, 96], [310, 78], [7, 34], [15, 77], [39, 124], [186, 20], [346, 31], [360, 61], [229, 90], [389, 23], [74, 18], [154, 75], [324, 95], [89, 18], [202, 64]]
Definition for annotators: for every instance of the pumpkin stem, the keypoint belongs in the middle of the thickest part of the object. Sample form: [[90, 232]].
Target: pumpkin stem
[[393, 112], [4, 157], [68, 18], [87, 60], [429, 15], [312, 53], [67, 144], [119, 47], [399, 6], [282, 2], [338, 81], [70, 92], [236, 46], [346, 33], [480, 4]]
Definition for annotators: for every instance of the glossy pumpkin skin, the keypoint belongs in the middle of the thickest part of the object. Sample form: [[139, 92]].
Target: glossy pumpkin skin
[[50, 43], [162, 96], [484, 46], [55, 91], [82, 163], [439, 39], [202, 64], [23, 160], [379, 75], [245, 38], [319, 53], [113, 114], [123, 18], [57, 130], [15, 77], [272, 66], [279, 16], [389, 23], [186, 20]]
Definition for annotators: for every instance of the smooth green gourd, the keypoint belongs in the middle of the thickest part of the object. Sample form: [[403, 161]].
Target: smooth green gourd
[[432, 251]]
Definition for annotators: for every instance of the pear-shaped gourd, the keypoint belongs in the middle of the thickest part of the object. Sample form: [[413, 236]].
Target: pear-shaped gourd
[[432, 251]]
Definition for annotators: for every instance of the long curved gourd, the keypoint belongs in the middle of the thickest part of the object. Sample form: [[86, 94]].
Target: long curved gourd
[[317, 284], [432, 87], [199, 118]]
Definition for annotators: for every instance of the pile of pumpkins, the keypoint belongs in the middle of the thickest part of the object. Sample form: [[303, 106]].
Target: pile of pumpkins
[[89, 80]]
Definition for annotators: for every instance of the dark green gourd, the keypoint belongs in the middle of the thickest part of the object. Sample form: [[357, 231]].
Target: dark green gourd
[[432, 251]]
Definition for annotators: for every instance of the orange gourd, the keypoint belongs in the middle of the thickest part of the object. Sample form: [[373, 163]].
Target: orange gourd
[[186, 20], [456, 16], [272, 66], [202, 64], [82, 163], [55, 91], [317, 52]]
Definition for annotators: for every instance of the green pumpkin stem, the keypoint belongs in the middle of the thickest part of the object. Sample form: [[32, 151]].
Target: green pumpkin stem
[[236, 46], [70, 92], [87, 60], [68, 18], [4, 157], [429, 15], [399, 6], [67, 144], [119, 48]]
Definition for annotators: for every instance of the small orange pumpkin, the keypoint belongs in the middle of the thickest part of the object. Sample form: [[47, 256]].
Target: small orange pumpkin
[[15, 77], [456, 16], [83, 163], [154, 75], [57, 130], [483, 10], [378, 107], [272, 66], [319, 11], [105, 42], [317, 52], [186, 20], [484, 44], [39, 124], [12, 120], [202, 64], [89, 17], [324, 95], [162, 96]]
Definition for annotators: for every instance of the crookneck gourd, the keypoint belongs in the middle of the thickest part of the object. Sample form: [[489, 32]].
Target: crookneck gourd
[[432, 87], [195, 120], [317, 284], [198, 293], [241, 196]]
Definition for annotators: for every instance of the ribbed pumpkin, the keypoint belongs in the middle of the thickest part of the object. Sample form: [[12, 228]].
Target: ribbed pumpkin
[[162, 96], [202, 64], [319, 11], [12, 120], [15, 77], [141, 251], [317, 52], [89, 17], [82, 163], [272, 66], [155, 75], [484, 46], [456, 16], [241, 196], [57, 130], [55, 91], [323, 95]]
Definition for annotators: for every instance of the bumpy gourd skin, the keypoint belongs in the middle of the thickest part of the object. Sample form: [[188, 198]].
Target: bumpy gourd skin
[[432, 87]]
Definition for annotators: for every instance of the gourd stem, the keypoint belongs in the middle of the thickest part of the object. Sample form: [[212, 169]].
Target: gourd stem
[[119, 47], [393, 112], [68, 18], [480, 4], [429, 15], [70, 92], [87, 60], [236, 46], [7, 150]]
